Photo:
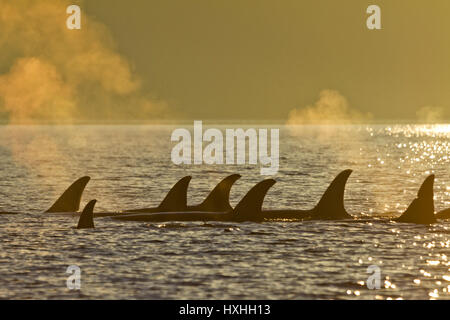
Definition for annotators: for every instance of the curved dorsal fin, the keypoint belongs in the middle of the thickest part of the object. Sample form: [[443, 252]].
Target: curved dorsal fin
[[218, 199], [331, 205], [87, 216], [421, 209], [69, 201], [249, 208], [426, 189], [176, 198]]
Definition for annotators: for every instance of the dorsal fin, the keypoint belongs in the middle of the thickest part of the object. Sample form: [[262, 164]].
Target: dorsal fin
[[426, 189], [444, 214], [176, 198], [219, 198], [69, 201], [421, 209], [331, 205], [87, 216], [249, 208]]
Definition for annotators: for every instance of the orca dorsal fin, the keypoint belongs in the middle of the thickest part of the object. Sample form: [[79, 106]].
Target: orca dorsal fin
[[443, 214], [421, 209], [426, 189], [331, 205], [87, 216], [176, 198], [249, 208], [69, 201], [218, 199]]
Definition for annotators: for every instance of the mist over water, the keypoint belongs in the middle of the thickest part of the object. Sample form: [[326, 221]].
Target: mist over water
[[130, 167]]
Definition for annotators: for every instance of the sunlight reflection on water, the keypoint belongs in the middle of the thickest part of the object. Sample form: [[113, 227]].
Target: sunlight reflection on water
[[130, 167]]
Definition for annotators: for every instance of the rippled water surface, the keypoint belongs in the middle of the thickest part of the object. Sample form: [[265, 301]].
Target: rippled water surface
[[130, 167]]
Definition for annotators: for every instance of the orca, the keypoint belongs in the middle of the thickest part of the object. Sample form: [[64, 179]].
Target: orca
[[444, 214], [69, 201], [330, 207], [219, 198], [87, 216], [248, 209], [421, 209], [176, 200]]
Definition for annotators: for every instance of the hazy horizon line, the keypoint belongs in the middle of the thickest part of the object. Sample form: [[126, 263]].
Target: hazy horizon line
[[211, 121]]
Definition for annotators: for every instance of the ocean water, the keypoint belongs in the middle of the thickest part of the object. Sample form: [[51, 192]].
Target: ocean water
[[130, 166]]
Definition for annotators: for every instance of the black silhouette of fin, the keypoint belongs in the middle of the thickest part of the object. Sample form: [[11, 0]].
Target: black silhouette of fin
[[444, 214], [421, 209], [219, 198], [331, 205], [87, 216], [69, 201], [176, 199], [249, 208]]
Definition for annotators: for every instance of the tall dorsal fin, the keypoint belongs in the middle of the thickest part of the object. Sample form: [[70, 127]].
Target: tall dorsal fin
[[219, 198], [249, 208], [176, 199], [421, 209], [331, 205], [426, 189], [69, 201], [87, 216]]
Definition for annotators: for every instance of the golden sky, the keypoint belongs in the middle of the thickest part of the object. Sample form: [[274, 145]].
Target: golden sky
[[234, 59]]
